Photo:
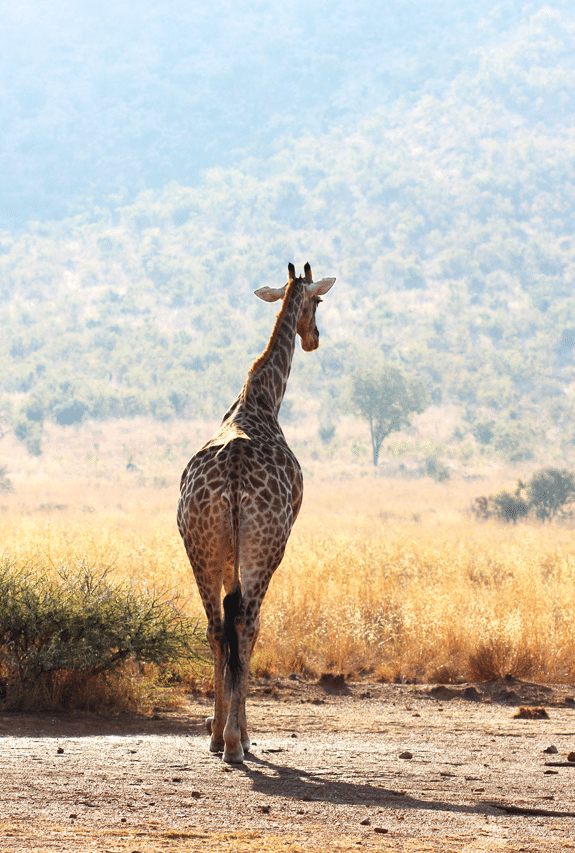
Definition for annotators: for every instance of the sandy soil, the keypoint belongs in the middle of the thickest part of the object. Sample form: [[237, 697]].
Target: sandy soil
[[375, 766]]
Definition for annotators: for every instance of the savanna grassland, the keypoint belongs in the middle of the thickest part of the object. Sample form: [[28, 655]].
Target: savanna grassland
[[384, 578]]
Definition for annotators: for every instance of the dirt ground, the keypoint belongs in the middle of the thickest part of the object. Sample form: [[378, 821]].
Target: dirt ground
[[333, 767]]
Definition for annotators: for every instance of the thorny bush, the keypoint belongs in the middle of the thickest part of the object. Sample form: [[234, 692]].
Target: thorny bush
[[74, 620]]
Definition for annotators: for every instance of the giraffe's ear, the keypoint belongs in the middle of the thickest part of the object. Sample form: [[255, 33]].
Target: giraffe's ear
[[271, 294], [318, 288]]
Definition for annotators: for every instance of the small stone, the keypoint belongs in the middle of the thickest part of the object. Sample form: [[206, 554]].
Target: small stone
[[293, 734], [266, 809], [123, 820], [551, 750], [407, 755], [176, 779], [571, 756], [365, 822], [73, 816], [60, 750], [196, 795], [380, 830]]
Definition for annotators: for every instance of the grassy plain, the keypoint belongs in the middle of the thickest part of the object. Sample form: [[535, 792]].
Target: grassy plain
[[384, 577]]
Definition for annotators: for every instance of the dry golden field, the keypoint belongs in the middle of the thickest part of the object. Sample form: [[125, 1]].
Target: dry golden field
[[390, 578]]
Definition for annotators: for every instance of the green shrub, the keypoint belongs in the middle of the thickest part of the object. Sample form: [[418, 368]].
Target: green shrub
[[508, 507], [326, 432], [437, 469], [551, 491], [29, 427], [5, 481], [73, 626], [504, 505]]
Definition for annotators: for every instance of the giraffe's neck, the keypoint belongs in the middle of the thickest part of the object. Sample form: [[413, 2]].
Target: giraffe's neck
[[270, 373]]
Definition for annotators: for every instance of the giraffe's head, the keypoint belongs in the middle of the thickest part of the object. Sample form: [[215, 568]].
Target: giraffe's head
[[313, 291]]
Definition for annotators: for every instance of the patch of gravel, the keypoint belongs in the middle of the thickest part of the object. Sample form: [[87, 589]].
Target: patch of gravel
[[333, 766]]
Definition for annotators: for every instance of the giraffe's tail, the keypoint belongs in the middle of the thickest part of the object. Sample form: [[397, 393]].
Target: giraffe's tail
[[232, 607], [234, 599]]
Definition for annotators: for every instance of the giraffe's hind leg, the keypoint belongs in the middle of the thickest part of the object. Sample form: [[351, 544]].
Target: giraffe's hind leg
[[215, 723], [211, 569], [236, 731], [243, 721]]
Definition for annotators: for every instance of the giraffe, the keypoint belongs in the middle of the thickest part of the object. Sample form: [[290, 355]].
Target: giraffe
[[239, 497]]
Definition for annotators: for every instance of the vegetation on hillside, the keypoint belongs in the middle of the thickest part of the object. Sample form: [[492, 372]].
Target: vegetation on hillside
[[96, 101], [447, 217]]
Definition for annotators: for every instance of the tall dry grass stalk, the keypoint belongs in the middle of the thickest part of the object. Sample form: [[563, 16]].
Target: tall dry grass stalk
[[391, 579]]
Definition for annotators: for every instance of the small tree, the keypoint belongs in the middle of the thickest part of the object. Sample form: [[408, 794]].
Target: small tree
[[384, 396], [550, 491]]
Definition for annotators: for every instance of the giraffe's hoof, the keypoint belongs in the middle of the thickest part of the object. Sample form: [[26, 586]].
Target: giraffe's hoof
[[217, 745], [236, 757]]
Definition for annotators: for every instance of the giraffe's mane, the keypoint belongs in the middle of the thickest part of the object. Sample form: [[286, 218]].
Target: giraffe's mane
[[261, 360]]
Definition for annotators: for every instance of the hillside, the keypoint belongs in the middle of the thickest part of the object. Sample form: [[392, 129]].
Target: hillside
[[97, 100], [445, 211]]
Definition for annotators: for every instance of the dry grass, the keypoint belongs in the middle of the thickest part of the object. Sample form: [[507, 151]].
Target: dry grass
[[466, 602], [390, 578], [149, 839]]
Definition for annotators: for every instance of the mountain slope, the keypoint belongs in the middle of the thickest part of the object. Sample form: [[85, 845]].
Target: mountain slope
[[447, 218]]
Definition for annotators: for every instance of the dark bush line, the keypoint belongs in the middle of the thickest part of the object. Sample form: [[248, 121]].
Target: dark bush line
[[549, 494]]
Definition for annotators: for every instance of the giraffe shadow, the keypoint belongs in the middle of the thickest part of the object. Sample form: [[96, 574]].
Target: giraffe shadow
[[314, 787]]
